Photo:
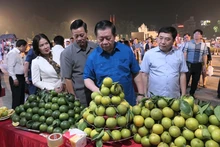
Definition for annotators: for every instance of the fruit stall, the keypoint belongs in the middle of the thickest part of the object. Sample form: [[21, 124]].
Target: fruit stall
[[109, 120]]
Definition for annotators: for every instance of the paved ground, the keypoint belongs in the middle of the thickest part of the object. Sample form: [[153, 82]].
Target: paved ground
[[206, 94]]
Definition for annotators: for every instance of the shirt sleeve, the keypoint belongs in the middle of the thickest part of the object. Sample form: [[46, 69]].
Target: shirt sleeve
[[29, 56], [186, 47], [205, 51], [36, 78], [145, 65], [11, 64], [183, 66], [66, 65], [89, 69]]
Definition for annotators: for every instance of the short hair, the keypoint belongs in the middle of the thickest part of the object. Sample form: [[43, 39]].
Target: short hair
[[71, 37], [36, 41], [150, 38], [77, 24], [21, 42], [59, 40], [186, 34], [103, 24], [170, 30], [126, 42], [198, 30]]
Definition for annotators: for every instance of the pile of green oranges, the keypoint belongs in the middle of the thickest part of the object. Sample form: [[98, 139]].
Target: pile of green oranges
[[165, 122], [52, 113], [108, 116]]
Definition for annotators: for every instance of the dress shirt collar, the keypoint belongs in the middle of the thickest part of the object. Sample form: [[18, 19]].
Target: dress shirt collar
[[116, 48], [58, 45], [158, 49], [78, 49], [193, 41]]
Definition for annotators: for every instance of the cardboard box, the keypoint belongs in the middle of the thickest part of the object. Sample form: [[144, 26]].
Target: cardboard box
[[74, 138]]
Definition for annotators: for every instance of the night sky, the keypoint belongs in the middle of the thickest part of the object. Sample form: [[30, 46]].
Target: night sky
[[150, 12]]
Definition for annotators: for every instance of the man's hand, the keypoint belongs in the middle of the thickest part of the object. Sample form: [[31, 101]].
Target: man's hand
[[16, 83], [204, 69], [138, 99], [58, 89], [27, 81]]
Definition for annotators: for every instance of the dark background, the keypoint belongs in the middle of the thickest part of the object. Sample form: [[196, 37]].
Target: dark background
[[28, 17]]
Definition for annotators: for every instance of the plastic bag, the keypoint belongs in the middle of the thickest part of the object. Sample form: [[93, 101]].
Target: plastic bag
[[210, 70]]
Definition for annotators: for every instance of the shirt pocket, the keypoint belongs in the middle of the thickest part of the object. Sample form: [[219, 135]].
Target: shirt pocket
[[102, 69], [123, 66]]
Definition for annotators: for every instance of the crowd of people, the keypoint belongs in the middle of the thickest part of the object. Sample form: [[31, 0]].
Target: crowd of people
[[161, 66]]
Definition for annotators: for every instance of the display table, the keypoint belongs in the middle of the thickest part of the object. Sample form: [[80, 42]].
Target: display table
[[12, 137]]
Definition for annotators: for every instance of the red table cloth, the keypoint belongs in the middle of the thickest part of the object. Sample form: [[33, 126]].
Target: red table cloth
[[12, 137]]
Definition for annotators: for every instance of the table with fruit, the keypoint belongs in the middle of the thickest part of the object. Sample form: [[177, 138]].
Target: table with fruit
[[109, 119]]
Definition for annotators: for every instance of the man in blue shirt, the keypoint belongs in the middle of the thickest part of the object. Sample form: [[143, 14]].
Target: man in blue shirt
[[27, 71], [164, 67], [115, 60]]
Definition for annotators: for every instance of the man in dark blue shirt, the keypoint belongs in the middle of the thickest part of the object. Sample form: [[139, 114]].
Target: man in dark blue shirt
[[27, 71], [113, 60]]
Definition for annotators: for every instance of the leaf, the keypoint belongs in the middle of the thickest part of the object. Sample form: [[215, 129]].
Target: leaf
[[98, 136], [203, 108], [98, 129], [82, 126], [99, 143], [217, 112], [143, 100], [65, 98], [109, 133], [185, 107], [206, 134], [115, 109], [128, 116], [151, 93], [202, 103], [171, 102]]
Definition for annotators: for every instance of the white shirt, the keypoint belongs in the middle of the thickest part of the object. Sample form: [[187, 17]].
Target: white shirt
[[43, 74], [15, 63], [56, 51]]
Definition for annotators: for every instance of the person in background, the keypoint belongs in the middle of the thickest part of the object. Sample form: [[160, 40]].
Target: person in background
[[67, 43], [73, 60], [209, 63], [195, 52], [16, 73], [138, 50], [126, 42], [45, 72], [57, 48], [27, 71], [217, 46], [115, 60], [149, 44], [164, 68], [71, 40]]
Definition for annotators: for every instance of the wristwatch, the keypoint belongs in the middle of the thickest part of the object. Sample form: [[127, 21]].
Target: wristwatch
[[139, 94]]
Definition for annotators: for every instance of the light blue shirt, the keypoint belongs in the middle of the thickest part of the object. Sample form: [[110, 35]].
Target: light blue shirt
[[164, 71]]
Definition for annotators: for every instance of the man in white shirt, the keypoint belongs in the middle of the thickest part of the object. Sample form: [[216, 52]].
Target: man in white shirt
[[16, 72], [58, 48]]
